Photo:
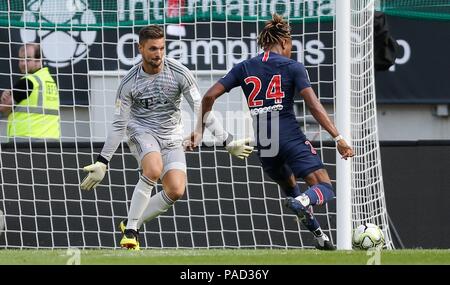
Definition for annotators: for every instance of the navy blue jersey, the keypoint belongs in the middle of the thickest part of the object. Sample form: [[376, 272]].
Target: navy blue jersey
[[270, 82]]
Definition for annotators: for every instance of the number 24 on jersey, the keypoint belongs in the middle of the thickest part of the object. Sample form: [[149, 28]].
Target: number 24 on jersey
[[273, 90]]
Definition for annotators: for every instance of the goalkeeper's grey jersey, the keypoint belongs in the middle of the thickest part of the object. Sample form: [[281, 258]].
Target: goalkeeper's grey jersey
[[150, 103]]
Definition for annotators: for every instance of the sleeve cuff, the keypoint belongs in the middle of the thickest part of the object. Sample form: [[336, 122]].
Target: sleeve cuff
[[228, 140], [338, 138], [102, 159]]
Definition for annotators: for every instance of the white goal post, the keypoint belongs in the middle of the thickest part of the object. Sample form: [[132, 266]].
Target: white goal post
[[343, 123], [89, 45]]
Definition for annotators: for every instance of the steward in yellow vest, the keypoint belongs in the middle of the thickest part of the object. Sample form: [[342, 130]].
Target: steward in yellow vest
[[38, 115], [36, 110]]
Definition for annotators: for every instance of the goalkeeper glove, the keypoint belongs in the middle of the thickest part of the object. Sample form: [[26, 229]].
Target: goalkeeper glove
[[96, 173], [239, 148]]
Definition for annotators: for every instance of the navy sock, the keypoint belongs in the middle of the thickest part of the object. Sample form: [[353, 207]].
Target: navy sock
[[320, 193], [311, 223], [292, 191]]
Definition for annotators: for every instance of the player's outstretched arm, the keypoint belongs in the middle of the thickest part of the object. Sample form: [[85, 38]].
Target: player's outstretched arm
[[205, 108], [97, 170], [116, 133], [238, 148], [321, 115], [208, 100]]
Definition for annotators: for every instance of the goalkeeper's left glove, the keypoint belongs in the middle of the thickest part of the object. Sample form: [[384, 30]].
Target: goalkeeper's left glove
[[96, 173], [239, 148]]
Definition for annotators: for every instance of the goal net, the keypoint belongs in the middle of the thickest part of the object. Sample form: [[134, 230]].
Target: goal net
[[89, 45]]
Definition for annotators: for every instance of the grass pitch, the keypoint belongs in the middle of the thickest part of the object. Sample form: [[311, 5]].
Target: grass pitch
[[222, 257]]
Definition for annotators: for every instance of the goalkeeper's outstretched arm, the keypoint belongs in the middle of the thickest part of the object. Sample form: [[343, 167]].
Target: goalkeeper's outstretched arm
[[206, 119], [194, 100], [97, 170], [205, 112]]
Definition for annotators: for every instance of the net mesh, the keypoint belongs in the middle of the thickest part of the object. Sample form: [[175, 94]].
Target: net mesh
[[368, 200], [418, 9], [229, 203]]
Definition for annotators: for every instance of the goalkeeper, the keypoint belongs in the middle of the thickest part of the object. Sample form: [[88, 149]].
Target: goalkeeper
[[147, 108], [270, 81]]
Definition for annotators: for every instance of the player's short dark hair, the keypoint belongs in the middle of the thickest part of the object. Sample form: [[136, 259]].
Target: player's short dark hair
[[274, 32], [150, 33]]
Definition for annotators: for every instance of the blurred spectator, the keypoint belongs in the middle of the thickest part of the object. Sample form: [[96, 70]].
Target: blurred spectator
[[33, 105]]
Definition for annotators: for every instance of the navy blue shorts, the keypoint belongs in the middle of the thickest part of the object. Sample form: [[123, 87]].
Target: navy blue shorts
[[296, 157]]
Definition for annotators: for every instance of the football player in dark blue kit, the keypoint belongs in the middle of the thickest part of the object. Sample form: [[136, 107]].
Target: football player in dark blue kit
[[270, 81]]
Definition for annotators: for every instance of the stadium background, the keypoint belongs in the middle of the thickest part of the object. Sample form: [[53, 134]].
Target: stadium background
[[413, 120]]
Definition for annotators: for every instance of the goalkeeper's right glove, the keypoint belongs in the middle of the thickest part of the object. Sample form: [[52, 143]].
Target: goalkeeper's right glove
[[239, 148], [96, 173]]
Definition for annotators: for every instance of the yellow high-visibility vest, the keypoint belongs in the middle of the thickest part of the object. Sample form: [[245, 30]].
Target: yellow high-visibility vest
[[38, 115]]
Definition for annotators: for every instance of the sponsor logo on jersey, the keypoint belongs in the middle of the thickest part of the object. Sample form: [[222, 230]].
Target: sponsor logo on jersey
[[149, 102], [146, 102], [263, 110]]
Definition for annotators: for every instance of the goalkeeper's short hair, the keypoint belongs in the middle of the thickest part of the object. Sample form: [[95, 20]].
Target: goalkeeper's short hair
[[150, 32]]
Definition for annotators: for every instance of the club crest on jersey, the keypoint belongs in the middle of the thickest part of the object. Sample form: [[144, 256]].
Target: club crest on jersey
[[263, 110]]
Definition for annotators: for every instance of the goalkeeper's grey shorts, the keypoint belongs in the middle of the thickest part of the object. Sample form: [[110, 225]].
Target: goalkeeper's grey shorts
[[172, 152]]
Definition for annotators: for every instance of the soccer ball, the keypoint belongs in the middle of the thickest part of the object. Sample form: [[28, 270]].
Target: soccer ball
[[367, 236]]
